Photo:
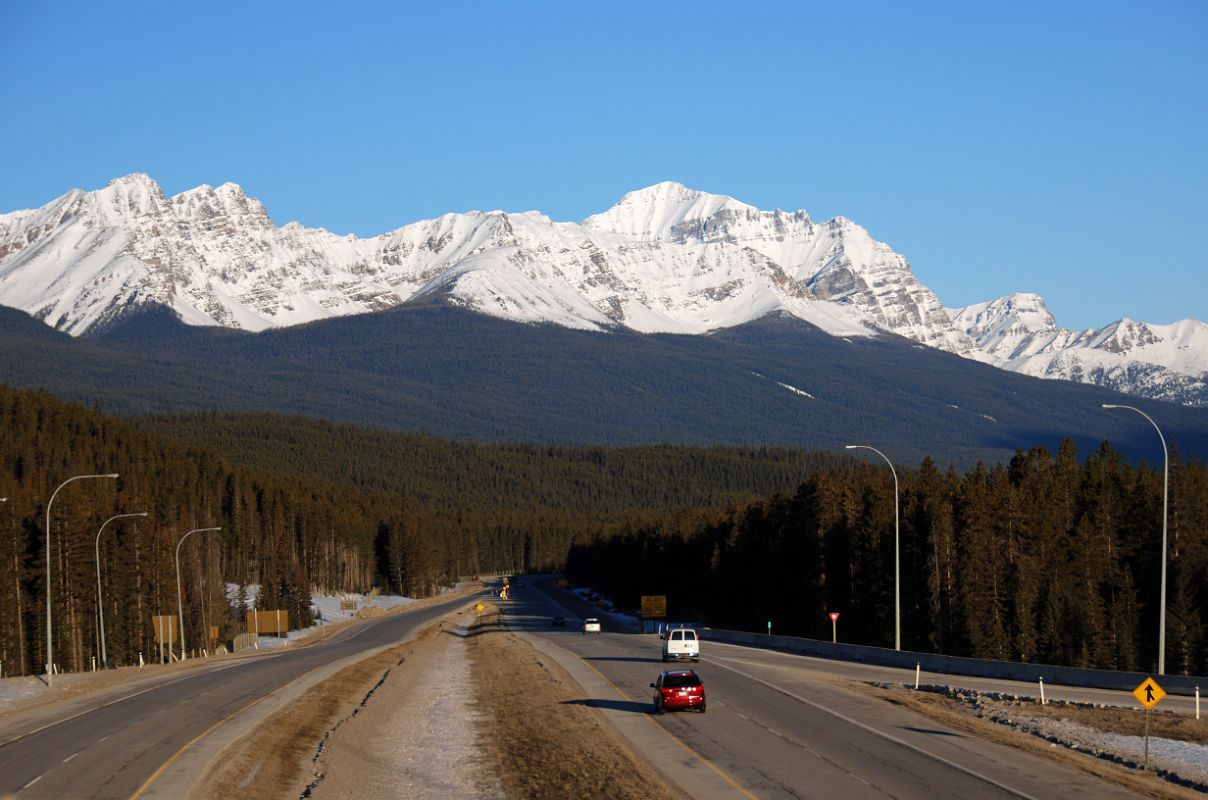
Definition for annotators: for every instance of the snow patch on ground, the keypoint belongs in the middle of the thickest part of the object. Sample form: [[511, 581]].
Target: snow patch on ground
[[1178, 761], [795, 390]]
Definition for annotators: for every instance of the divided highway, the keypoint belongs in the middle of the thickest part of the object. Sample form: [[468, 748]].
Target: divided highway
[[780, 727], [112, 748]]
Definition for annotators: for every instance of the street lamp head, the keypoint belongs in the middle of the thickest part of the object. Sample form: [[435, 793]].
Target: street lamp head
[[1110, 405], [111, 475], [850, 446]]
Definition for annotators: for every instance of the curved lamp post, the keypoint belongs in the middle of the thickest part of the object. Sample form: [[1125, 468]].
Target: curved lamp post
[[180, 608], [100, 603], [1165, 495], [50, 658], [897, 575]]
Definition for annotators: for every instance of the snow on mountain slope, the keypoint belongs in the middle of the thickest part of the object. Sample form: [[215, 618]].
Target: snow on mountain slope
[[1167, 362], [664, 259]]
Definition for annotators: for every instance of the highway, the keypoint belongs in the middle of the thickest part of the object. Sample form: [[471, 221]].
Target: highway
[[782, 726], [115, 745]]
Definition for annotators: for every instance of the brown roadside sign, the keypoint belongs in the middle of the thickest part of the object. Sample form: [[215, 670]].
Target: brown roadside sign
[[1149, 693]]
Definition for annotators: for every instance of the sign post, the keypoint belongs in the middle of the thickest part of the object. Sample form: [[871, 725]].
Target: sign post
[[769, 627], [1148, 694], [834, 618]]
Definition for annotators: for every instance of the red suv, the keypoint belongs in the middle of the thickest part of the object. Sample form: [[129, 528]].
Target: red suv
[[678, 689]]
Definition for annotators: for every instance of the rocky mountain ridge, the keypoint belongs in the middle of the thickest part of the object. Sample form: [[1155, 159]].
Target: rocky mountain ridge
[[663, 259]]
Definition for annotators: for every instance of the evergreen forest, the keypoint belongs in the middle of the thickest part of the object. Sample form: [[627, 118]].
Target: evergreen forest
[[1047, 558], [1044, 559]]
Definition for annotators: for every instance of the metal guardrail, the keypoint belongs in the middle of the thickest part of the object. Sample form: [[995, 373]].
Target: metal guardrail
[[955, 665]]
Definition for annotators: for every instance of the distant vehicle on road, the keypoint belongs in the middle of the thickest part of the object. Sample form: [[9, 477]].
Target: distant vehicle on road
[[678, 689], [591, 625], [681, 644], [558, 622]]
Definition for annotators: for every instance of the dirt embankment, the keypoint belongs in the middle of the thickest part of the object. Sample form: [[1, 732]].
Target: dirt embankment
[[1020, 723]]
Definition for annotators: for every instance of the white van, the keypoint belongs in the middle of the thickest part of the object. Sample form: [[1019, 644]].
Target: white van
[[681, 644]]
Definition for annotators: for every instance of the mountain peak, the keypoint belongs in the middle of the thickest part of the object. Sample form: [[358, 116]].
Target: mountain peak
[[135, 179], [665, 258], [661, 211], [129, 196]]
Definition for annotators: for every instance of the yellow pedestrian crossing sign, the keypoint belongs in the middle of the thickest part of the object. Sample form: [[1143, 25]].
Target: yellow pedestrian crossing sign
[[1149, 693]]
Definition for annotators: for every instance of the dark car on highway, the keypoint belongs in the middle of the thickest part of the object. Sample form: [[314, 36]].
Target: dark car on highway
[[681, 688]]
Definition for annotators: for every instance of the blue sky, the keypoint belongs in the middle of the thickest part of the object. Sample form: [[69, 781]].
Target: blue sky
[[1056, 148]]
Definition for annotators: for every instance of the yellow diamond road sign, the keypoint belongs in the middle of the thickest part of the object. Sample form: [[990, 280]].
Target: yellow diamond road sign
[[1149, 694]]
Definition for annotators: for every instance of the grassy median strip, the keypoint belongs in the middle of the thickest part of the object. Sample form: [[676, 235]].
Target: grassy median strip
[[543, 733]]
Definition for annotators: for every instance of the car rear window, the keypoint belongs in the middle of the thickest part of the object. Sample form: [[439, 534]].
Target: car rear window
[[680, 681]]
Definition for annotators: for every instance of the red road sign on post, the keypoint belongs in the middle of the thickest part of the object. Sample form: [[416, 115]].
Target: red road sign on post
[[834, 615], [834, 618]]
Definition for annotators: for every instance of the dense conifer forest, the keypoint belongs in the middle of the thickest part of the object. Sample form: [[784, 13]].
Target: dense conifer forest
[[1046, 558], [303, 505]]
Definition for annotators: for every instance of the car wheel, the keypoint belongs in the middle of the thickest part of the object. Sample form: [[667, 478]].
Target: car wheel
[[702, 706], [658, 707]]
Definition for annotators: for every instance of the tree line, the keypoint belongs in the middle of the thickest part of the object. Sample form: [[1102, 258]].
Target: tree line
[[1044, 559], [303, 505]]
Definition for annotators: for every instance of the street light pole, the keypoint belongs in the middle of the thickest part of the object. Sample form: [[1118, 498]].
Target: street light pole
[[100, 603], [180, 608], [1165, 496], [50, 657], [897, 572]]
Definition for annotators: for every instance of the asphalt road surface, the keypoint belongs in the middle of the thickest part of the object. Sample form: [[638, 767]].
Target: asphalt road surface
[[783, 726], [111, 748]]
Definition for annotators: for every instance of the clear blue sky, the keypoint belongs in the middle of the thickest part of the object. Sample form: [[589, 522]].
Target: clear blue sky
[[1057, 148]]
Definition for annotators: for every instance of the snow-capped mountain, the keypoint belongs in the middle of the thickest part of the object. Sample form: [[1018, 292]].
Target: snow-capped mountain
[[1167, 362], [663, 259]]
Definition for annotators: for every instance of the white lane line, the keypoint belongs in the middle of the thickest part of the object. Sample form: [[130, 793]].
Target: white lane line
[[73, 755], [103, 738], [127, 697], [876, 732], [31, 783]]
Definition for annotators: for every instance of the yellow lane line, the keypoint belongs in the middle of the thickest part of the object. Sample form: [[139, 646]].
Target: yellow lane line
[[154, 775]]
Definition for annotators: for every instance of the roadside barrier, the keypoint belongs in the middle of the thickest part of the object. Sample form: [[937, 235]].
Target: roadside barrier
[[955, 665]]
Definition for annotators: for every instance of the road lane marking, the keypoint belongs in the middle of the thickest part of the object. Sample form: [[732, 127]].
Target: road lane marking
[[191, 742], [31, 783], [876, 732], [73, 755], [718, 770], [108, 703], [721, 773]]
